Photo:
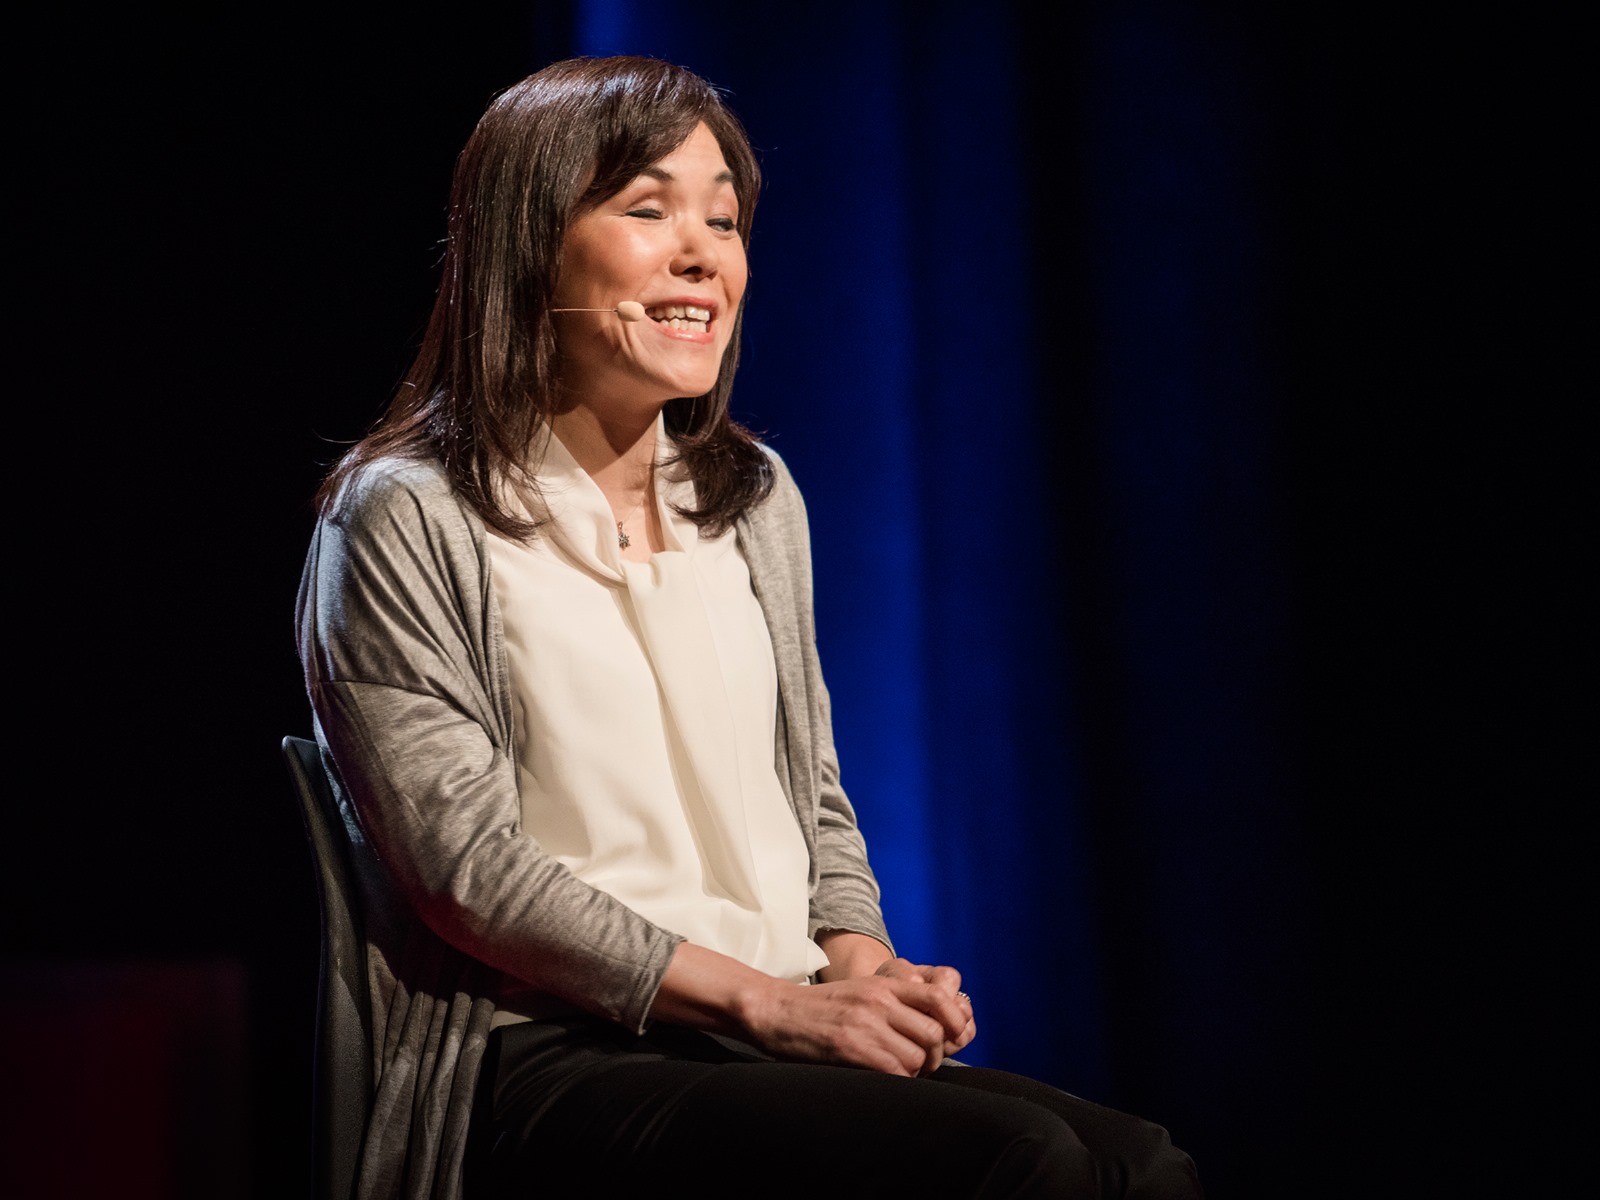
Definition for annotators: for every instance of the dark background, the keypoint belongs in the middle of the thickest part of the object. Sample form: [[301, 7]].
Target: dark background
[[1230, 396]]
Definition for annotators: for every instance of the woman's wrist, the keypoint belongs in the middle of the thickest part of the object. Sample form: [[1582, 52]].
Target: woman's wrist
[[703, 989], [850, 954]]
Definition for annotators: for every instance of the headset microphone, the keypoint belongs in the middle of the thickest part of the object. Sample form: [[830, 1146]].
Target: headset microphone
[[628, 310]]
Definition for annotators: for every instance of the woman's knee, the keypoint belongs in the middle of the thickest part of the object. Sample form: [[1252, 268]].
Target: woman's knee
[[1150, 1167], [1041, 1157]]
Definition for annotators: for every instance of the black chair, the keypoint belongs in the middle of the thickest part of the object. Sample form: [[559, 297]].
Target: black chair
[[342, 1062]]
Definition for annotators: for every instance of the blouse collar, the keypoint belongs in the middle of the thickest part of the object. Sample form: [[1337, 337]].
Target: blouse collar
[[580, 520]]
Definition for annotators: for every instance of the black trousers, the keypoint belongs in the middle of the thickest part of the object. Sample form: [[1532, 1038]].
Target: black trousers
[[581, 1103]]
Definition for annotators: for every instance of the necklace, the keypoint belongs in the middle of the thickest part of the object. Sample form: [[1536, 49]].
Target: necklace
[[623, 540]]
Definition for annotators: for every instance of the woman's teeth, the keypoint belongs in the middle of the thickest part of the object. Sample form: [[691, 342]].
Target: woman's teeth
[[681, 316]]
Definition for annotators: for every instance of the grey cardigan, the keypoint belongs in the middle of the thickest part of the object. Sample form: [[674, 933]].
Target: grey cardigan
[[401, 642]]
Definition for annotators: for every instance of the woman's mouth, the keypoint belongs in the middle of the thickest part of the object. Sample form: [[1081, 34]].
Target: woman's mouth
[[681, 316]]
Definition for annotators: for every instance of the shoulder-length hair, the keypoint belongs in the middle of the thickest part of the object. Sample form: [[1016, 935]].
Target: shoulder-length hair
[[485, 378]]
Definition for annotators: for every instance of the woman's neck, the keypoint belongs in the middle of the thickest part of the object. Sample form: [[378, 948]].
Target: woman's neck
[[618, 455]]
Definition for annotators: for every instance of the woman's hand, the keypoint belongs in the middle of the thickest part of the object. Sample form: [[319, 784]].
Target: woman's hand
[[901, 1020], [959, 1030], [851, 955], [897, 1023]]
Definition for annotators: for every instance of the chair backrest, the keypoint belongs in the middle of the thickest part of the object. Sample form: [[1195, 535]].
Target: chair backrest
[[342, 1063]]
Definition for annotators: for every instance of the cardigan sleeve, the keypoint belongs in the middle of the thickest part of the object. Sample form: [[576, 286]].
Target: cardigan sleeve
[[400, 644], [847, 894]]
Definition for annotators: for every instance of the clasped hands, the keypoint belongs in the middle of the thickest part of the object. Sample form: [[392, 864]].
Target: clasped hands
[[903, 1019]]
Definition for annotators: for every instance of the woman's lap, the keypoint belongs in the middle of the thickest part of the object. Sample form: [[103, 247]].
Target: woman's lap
[[584, 1103]]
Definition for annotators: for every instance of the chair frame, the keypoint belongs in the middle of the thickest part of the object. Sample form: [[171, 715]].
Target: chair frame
[[342, 1060]]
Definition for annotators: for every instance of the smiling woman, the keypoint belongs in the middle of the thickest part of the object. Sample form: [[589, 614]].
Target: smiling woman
[[557, 635]]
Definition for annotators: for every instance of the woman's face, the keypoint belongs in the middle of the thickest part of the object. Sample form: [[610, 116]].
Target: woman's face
[[669, 240]]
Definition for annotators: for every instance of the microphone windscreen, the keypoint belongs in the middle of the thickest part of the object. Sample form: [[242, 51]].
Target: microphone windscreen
[[630, 310]]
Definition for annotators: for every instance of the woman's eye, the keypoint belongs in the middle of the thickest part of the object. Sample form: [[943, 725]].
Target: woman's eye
[[649, 214], [723, 224]]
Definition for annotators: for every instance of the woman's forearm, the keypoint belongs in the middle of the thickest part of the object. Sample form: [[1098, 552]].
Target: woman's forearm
[[707, 990]]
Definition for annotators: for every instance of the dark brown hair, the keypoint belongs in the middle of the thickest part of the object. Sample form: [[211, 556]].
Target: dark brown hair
[[547, 149]]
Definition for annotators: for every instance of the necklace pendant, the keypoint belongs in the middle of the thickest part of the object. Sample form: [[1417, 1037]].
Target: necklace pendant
[[622, 539]]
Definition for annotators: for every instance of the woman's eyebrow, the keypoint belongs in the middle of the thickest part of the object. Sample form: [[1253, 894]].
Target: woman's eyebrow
[[658, 174]]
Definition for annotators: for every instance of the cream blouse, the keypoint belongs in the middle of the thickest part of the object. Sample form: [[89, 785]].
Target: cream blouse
[[646, 700]]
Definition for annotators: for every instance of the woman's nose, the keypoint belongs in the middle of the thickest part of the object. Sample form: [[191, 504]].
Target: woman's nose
[[698, 255]]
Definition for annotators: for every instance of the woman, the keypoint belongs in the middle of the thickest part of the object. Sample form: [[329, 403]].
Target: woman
[[557, 633]]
